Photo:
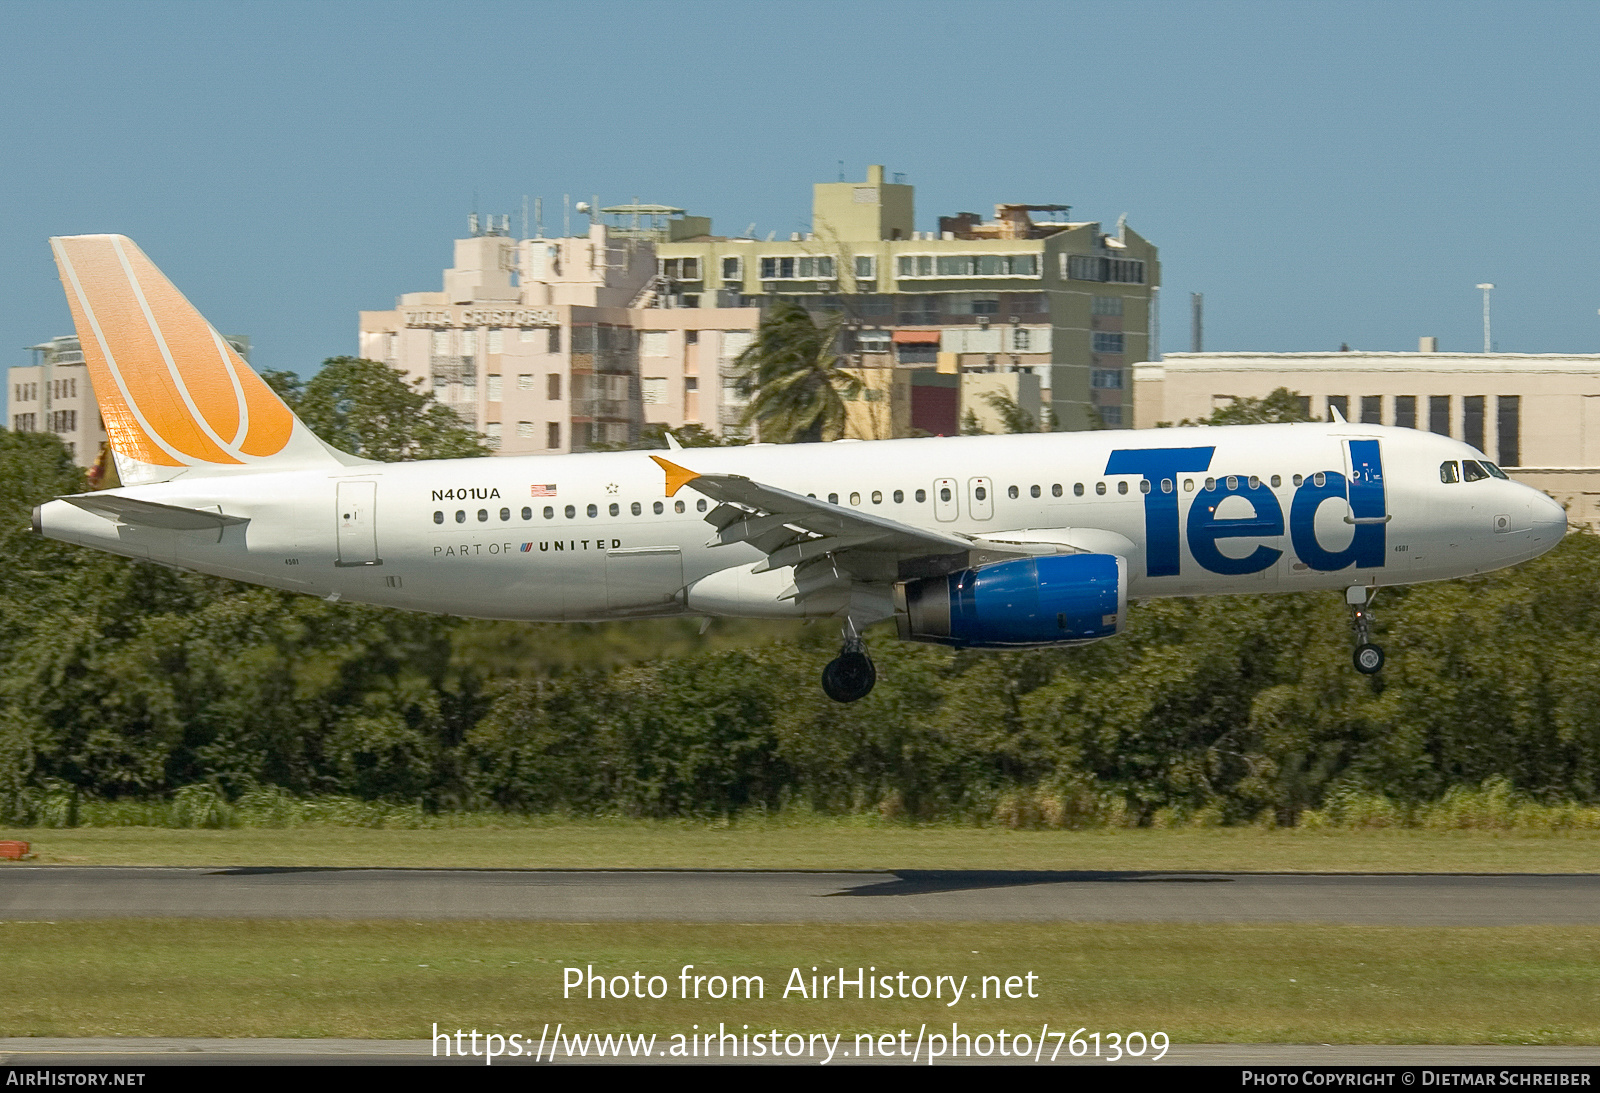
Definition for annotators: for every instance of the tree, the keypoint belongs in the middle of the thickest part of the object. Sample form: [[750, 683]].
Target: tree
[[368, 409], [1282, 405], [1013, 418], [792, 376]]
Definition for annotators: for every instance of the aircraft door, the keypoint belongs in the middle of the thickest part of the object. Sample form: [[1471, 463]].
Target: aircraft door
[[639, 578], [358, 526], [980, 498], [945, 505]]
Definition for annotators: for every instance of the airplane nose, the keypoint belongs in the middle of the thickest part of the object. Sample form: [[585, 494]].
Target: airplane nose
[[1547, 519]]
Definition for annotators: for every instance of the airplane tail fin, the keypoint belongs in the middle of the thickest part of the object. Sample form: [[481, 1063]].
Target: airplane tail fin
[[175, 397]]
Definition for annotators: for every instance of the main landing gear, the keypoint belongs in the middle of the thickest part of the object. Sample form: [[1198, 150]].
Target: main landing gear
[[1368, 657], [850, 675]]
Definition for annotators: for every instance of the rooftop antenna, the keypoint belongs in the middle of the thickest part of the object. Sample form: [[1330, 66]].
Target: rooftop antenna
[[841, 170], [750, 232], [1122, 228], [538, 216], [524, 216], [635, 214], [566, 215]]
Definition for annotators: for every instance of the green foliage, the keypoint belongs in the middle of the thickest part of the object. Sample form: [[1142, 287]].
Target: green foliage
[[790, 373], [1282, 405], [1013, 418], [368, 409]]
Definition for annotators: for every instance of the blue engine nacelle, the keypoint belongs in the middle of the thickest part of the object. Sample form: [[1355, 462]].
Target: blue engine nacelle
[[1046, 600]]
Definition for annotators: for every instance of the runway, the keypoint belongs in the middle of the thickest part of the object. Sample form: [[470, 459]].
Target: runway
[[77, 892]]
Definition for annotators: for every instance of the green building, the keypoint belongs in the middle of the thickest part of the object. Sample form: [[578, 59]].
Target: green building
[[1063, 300]]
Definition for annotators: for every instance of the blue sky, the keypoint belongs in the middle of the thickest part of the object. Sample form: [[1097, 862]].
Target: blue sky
[[1323, 172]]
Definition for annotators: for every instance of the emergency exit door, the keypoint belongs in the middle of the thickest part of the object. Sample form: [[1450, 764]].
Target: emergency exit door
[[357, 524]]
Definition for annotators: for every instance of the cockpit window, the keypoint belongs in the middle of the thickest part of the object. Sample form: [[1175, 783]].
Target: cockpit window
[[1449, 472], [1472, 472], [1494, 470]]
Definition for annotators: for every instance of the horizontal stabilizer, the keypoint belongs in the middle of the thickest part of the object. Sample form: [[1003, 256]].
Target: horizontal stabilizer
[[130, 510]]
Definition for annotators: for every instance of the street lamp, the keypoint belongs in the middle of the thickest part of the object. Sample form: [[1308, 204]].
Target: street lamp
[[1486, 287]]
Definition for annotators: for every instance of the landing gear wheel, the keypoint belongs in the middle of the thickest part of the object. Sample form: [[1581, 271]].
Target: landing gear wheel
[[849, 676], [1368, 659]]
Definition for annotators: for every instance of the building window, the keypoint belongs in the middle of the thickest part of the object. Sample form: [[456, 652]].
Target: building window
[[441, 343], [1091, 267], [1106, 379], [1105, 342], [654, 390], [525, 382], [1472, 421], [967, 265], [1107, 305], [553, 438], [1439, 414], [653, 343], [526, 334], [732, 269], [469, 343], [872, 341], [494, 388], [1372, 409], [497, 341], [691, 384], [1341, 403], [1111, 417], [553, 342], [918, 353], [491, 432], [525, 430], [1509, 428], [985, 306], [681, 269], [866, 267], [1405, 411], [553, 387]]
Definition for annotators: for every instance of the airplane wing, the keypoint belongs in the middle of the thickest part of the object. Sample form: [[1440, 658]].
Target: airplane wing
[[794, 530]]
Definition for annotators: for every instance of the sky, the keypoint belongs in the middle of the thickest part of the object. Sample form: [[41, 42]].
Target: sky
[[1324, 173]]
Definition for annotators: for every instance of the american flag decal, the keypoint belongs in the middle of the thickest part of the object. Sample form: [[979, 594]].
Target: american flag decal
[[544, 491]]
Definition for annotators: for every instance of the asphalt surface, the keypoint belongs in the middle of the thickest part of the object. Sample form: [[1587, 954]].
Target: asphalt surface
[[66, 892], [137, 1054]]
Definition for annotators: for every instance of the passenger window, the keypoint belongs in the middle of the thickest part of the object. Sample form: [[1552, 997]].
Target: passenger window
[[594, 510], [615, 510], [1188, 485], [1166, 485], [833, 499], [527, 514], [700, 505], [549, 513], [1100, 488], [571, 512], [1319, 479], [855, 499], [677, 506], [899, 497], [1211, 484], [1055, 490], [461, 516], [1233, 481], [1255, 482], [1472, 472], [877, 497], [1122, 487], [980, 493], [1448, 472], [505, 514], [483, 516], [944, 494], [922, 495], [1077, 489], [657, 508], [636, 508], [1011, 493], [1144, 485], [1033, 491], [1277, 480], [438, 517], [1298, 480]]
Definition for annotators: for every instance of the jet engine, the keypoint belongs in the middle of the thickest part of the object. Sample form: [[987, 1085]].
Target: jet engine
[[1048, 599]]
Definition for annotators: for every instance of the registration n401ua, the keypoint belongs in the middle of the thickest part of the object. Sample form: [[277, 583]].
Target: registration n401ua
[[992, 542]]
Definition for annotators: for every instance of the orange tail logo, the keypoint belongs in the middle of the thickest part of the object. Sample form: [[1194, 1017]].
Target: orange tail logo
[[172, 392]]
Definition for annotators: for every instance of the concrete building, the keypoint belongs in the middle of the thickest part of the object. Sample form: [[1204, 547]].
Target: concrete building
[[1537, 415], [54, 395], [553, 345], [1061, 299]]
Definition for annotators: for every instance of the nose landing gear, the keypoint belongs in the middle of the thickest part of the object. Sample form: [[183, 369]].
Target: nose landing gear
[[850, 675], [1368, 658]]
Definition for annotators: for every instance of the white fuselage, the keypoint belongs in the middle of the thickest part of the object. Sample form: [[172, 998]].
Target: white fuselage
[[595, 536]]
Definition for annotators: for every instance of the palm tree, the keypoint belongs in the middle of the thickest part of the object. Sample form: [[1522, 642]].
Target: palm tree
[[792, 376]]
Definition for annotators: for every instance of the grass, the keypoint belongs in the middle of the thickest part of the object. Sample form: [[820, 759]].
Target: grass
[[827, 844], [1291, 984]]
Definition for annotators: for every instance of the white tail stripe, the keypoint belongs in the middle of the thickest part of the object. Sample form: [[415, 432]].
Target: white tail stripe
[[238, 389], [111, 364], [166, 355]]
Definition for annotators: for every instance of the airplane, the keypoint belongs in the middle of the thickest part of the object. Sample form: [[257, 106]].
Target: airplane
[[988, 542]]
